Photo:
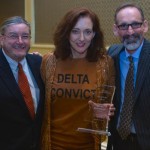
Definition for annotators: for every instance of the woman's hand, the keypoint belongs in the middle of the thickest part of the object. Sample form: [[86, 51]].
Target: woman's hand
[[102, 110]]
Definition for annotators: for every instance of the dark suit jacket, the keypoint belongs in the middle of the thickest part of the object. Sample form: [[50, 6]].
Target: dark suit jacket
[[141, 112], [17, 130]]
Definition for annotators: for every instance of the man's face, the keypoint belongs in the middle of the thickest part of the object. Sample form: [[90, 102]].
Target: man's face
[[130, 27], [16, 41]]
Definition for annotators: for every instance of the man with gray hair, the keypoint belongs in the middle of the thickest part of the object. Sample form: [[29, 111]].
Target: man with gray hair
[[130, 126], [21, 88]]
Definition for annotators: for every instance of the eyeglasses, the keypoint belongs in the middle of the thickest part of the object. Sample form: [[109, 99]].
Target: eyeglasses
[[134, 25], [16, 37]]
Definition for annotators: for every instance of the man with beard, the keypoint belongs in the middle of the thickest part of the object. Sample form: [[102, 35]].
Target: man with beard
[[130, 126]]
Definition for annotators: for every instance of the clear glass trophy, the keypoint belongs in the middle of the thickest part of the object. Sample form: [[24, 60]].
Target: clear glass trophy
[[104, 93], [99, 126]]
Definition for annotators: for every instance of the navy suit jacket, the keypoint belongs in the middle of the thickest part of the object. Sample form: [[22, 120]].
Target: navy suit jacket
[[141, 111], [17, 130]]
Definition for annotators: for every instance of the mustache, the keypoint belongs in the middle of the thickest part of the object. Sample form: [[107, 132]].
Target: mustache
[[131, 38]]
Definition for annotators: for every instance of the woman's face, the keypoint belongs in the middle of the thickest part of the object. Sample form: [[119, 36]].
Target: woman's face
[[81, 36]]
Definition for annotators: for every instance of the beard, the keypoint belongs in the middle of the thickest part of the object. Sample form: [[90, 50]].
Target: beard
[[132, 42]]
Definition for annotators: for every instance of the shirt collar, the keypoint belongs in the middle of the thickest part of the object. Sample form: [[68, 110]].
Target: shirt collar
[[23, 62], [12, 63]]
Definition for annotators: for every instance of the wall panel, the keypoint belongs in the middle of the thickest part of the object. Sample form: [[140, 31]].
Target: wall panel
[[49, 12], [10, 8]]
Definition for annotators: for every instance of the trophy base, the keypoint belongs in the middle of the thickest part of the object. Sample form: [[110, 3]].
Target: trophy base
[[100, 132]]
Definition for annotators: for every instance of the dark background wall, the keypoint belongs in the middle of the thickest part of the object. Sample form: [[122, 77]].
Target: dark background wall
[[49, 12], [10, 8]]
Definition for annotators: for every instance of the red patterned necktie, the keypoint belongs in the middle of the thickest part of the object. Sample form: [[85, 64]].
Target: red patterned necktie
[[127, 108], [25, 90]]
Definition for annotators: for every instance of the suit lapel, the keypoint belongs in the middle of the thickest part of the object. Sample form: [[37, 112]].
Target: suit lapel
[[7, 76], [143, 67], [34, 67]]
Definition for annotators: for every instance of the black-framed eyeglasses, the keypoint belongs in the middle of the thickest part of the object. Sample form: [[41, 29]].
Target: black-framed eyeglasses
[[134, 25]]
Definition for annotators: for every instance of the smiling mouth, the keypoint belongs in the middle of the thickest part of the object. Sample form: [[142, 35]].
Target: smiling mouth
[[80, 45], [19, 47]]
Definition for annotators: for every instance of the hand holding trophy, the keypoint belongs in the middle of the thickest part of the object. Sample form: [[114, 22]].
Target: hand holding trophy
[[100, 111], [100, 104]]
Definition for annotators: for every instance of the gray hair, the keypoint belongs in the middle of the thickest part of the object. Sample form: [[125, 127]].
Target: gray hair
[[11, 21], [126, 5]]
